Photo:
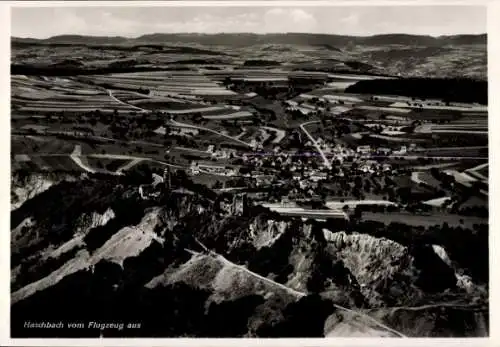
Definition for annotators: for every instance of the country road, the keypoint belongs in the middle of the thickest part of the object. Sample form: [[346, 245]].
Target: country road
[[180, 124], [191, 126], [129, 165], [320, 151], [77, 156], [110, 93], [436, 305]]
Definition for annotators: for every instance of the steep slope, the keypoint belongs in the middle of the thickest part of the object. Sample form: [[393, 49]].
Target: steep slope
[[438, 320], [180, 265], [25, 187]]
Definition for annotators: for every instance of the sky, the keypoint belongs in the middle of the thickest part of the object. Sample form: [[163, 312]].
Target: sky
[[44, 22]]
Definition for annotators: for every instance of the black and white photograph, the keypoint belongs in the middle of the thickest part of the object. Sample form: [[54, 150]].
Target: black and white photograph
[[249, 171]]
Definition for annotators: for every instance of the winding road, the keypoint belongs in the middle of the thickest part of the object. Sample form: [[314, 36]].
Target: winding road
[[110, 93], [77, 156], [191, 126], [179, 124]]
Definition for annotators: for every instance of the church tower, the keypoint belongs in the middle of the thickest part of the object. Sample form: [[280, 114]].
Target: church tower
[[240, 204], [167, 178]]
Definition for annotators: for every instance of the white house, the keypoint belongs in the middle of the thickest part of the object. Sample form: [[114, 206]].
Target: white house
[[363, 149]]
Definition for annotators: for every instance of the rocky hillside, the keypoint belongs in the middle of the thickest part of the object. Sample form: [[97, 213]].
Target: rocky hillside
[[25, 186], [90, 249]]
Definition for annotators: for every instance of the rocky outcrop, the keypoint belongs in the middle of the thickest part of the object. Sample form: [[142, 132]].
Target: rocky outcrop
[[265, 233], [93, 220], [102, 251], [377, 264], [346, 324], [25, 188], [464, 281], [128, 242], [437, 320], [441, 252]]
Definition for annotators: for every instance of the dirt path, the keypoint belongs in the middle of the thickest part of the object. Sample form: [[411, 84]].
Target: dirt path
[[110, 93], [76, 157], [134, 160], [129, 165], [289, 290], [191, 126], [180, 124], [436, 305]]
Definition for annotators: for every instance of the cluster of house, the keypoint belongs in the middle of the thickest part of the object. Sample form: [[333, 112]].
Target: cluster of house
[[385, 151], [304, 168], [196, 168], [372, 166], [309, 177], [221, 153]]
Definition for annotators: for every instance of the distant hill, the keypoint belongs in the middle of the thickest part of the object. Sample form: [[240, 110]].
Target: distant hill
[[81, 39], [247, 39], [421, 40], [466, 39], [388, 54]]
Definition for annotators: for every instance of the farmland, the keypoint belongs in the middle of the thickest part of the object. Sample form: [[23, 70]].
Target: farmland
[[295, 122], [299, 184], [52, 95], [179, 83]]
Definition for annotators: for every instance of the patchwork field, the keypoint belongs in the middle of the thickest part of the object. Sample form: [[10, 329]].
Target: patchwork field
[[61, 95], [171, 83], [323, 127]]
